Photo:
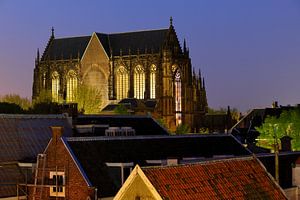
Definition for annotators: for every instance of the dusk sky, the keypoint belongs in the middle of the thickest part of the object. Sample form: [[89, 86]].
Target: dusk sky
[[248, 51]]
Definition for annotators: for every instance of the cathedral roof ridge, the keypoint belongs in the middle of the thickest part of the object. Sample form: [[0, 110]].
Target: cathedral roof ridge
[[72, 37], [138, 31]]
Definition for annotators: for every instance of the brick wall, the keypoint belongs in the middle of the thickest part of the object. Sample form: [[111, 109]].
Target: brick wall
[[59, 158]]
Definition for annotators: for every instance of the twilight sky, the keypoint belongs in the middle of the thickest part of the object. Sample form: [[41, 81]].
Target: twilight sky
[[247, 50]]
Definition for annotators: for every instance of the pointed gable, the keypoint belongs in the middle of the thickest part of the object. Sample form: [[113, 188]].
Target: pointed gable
[[150, 41], [137, 185]]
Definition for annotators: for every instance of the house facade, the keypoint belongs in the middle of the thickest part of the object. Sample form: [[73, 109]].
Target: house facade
[[145, 65]]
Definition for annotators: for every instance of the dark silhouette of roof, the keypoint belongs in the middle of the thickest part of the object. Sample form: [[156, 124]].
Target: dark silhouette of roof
[[143, 125], [245, 130], [24, 136], [139, 42], [66, 48], [96, 151], [242, 178]]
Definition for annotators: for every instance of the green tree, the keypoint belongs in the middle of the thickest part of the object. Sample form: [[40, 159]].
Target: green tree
[[121, 110], [182, 129], [24, 103], [287, 124], [44, 97], [88, 99]]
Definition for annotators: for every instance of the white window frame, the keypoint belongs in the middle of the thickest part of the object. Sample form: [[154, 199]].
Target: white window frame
[[56, 193]]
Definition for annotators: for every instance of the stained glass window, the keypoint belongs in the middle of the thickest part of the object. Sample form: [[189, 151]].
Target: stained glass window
[[71, 86], [139, 82], [152, 81], [55, 86], [122, 83], [178, 99]]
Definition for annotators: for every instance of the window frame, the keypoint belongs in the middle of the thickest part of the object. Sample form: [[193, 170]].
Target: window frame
[[57, 190]]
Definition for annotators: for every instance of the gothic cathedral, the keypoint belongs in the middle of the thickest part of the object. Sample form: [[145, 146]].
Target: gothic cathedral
[[142, 65]]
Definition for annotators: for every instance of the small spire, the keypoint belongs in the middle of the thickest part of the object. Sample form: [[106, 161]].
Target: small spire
[[203, 83], [171, 21], [52, 31], [184, 45], [38, 55], [200, 73]]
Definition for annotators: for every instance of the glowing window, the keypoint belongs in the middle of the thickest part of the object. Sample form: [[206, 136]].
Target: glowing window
[[152, 81], [122, 83], [44, 80], [139, 82], [58, 180], [55, 86], [178, 99], [71, 86]]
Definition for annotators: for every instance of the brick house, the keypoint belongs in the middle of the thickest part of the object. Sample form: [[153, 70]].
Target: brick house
[[96, 167], [238, 178], [58, 173], [22, 137]]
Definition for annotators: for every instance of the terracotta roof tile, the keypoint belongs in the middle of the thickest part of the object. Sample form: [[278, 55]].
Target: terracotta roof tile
[[242, 178]]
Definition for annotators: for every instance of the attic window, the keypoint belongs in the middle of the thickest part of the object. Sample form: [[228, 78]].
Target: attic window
[[58, 182]]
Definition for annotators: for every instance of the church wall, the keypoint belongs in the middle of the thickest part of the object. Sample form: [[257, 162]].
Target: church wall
[[94, 70]]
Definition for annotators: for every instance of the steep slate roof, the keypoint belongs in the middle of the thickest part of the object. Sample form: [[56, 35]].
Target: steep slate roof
[[242, 178], [24, 136], [151, 40], [139, 41], [143, 125], [96, 151], [63, 48]]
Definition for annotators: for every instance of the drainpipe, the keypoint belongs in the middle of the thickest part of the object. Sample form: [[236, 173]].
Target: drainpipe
[[96, 192]]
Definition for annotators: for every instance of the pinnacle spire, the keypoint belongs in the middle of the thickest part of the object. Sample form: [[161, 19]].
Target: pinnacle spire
[[52, 32], [199, 74], [184, 45], [171, 21], [38, 54]]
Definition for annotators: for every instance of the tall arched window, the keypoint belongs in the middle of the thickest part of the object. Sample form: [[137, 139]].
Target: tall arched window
[[44, 80], [122, 83], [55, 86], [139, 82], [152, 81], [178, 99], [71, 86]]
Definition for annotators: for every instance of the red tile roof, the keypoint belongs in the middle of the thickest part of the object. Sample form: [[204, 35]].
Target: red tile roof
[[243, 178]]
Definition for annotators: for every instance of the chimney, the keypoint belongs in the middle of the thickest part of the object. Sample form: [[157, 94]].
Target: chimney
[[172, 161], [57, 132]]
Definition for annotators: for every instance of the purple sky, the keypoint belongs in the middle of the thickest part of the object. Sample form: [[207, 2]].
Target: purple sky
[[248, 51]]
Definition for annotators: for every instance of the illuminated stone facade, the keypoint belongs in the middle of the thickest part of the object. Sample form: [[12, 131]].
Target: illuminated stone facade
[[143, 65]]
